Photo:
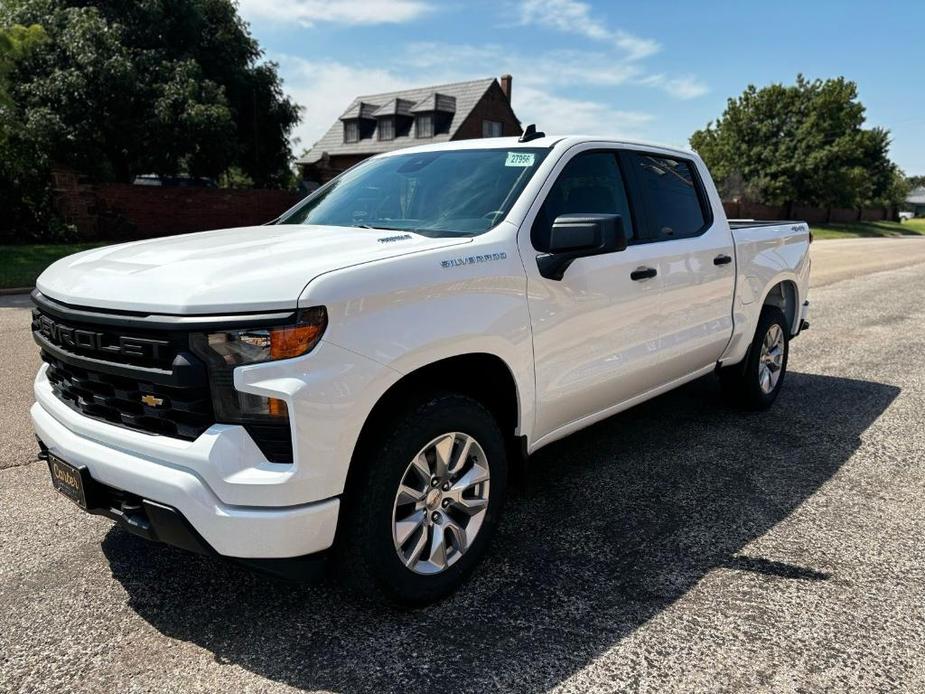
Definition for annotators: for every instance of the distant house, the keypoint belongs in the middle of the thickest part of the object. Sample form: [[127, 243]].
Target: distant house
[[915, 201], [384, 122]]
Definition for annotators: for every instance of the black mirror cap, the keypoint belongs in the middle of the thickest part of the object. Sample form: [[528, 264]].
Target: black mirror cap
[[578, 235], [574, 232]]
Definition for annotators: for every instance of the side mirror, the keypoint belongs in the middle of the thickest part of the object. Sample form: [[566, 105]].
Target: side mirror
[[577, 236]]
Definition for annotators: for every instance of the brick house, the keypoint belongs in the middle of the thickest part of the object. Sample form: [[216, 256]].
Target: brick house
[[383, 122]]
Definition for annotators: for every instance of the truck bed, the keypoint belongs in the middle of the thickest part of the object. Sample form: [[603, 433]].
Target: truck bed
[[745, 223]]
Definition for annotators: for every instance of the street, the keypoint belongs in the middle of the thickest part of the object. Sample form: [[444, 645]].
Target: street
[[679, 546]]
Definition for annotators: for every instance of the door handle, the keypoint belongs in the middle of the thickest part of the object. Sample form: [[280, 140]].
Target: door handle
[[643, 273], [722, 259]]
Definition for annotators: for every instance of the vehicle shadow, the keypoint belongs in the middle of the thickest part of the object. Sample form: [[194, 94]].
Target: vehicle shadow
[[617, 522]]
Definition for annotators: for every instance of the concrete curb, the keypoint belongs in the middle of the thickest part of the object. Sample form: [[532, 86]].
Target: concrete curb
[[16, 290]]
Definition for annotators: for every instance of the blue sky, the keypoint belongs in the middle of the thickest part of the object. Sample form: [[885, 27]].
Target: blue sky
[[653, 70]]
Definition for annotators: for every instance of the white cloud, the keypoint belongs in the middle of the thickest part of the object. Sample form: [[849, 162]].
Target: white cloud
[[636, 47], [686, 87], [558, 115], [563, 67], [574, 17], [311, 12], [326, 89]]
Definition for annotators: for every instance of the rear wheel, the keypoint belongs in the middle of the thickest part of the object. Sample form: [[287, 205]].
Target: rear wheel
[[426, 501], [755, 383]]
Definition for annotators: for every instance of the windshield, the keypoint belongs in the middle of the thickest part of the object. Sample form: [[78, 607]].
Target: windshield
[[439, 193]]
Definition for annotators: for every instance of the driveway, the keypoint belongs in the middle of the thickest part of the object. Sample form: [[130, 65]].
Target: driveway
[[680, 546]]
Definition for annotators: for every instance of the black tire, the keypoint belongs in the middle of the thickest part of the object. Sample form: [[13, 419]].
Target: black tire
[[741, 382], [368, 561]]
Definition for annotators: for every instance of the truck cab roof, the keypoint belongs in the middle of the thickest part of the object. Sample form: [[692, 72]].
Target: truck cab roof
[[546, 142]]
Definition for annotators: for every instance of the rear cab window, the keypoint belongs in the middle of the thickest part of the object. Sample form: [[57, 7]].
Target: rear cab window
[[671, 195]]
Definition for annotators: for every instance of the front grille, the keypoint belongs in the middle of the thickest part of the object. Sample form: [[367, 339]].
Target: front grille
[[138, 377], [143, 374], [180, 412]]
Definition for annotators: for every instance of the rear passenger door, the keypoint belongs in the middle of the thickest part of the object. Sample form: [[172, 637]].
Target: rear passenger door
[[695, 256]]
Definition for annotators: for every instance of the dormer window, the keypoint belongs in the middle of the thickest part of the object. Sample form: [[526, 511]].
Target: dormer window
[[424, 125], [434, 114], [387, 128], [359, 122], [351, 130], [394, 119]]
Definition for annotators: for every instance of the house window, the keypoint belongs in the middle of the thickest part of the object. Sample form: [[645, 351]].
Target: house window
[[386, 128], [492, 128], [351, 131], [425, 125]]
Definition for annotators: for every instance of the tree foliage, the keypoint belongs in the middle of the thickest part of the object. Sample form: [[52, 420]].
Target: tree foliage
[[803, 143], [915, 181], [24, 188], [125, 87]]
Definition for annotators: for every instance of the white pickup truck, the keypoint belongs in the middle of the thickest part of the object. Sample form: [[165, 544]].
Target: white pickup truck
[[357, 379]]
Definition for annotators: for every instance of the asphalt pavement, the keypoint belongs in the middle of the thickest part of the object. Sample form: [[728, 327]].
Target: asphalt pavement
[[680, 546]]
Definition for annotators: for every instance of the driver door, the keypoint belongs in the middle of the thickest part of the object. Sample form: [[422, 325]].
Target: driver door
[[596, 331]]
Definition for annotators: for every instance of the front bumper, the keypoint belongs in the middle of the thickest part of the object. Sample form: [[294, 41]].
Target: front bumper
[[231, 530], [161, 523]]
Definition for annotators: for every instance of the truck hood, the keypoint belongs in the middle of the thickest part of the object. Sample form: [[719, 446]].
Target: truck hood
[[231, 270]]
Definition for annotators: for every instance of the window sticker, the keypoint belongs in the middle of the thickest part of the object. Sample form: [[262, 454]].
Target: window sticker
[[519, 159]]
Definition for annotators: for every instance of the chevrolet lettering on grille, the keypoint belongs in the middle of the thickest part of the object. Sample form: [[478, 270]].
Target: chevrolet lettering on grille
[[70, 338]]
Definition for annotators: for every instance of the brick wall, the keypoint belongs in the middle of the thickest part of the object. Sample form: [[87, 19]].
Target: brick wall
[[113, 211], [814, 215], [493, 106], [331, 166]]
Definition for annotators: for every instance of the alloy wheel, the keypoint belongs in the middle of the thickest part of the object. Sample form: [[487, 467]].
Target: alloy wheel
[[771, 358], [441, 503]]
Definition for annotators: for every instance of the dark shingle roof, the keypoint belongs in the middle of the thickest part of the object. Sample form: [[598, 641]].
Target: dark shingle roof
[[360, 109], [396, 107], [436, 102], [458, 98]]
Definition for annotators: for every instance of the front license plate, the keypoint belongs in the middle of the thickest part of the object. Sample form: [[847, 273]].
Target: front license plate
[[67, 479]]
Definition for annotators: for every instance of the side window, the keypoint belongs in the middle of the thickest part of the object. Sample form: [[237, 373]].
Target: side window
[[669, 190], [590, 183]]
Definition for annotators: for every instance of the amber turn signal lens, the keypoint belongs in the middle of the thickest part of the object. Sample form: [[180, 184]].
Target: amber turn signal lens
[[277, 408], [294, 341]]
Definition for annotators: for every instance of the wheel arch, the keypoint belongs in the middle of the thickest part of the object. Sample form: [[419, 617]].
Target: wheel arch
[[785, 295], [482, 376]]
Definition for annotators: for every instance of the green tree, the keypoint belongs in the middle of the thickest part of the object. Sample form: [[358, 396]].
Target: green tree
[[15, 42], [803, 143], [139, 86], [24, 187]]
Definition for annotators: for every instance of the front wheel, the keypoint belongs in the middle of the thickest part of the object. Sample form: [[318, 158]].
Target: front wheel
[[755, 383], [427, 501]]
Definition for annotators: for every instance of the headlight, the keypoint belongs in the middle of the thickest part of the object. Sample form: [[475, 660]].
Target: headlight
[[266, 418], [251, 346]]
